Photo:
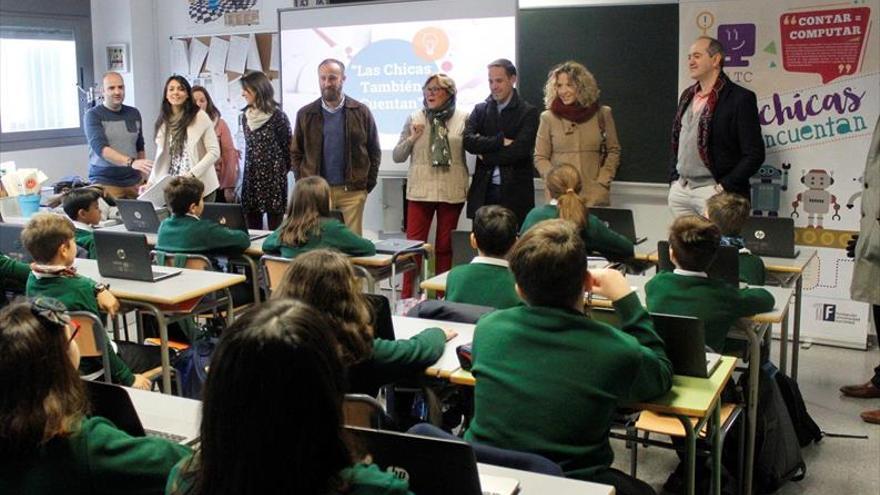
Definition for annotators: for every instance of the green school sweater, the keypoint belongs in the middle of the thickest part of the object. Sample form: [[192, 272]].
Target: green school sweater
[[597, 236], [189, 234], [481, 283], [751, 269], [333, 235], [550, 379], [97, 459], [716, 303], [13, 276], [86, 240], [362, 479], [77, 293]]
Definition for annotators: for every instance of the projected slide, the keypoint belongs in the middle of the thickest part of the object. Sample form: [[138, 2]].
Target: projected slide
[[387, 64]]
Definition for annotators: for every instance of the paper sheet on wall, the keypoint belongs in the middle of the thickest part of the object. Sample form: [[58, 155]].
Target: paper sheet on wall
[[253, 60], [197, 53], [216, 63], [275, 54], [179, 57], [238, 52], [219, 89], [235, 99]]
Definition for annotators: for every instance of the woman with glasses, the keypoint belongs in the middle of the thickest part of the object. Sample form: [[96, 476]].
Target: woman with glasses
[[47, 442], [437, 180]]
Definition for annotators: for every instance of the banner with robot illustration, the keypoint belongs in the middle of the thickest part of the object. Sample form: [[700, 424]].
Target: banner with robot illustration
[[815, 67]]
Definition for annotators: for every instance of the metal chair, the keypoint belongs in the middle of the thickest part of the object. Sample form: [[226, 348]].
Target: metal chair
[[273, 268], [92, 342], [364, 411]]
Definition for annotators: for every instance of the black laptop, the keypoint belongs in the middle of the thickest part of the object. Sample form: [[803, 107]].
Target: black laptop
[[725, 267], [395, 245], [685, 341], [770, 236], [10, 242], [619, 220], [433, 466], [230, 215], [113, 402], [139, 216], [126, 255]]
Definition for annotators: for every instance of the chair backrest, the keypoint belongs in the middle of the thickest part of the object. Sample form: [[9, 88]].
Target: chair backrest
[[274, 268], [363, 410], [183, 260], [91, 339], [449, 311]]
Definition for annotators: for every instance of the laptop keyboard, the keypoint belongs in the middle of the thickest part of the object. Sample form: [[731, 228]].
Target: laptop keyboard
[[167, 436]]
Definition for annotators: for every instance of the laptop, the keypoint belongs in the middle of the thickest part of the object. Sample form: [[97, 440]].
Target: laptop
[[685, 342], [770, 236], [619, 220], [139, 216], [10, 243], [114, 403], [394, 245], [126, 255], [231, 216], [418, 459], [725, 267]]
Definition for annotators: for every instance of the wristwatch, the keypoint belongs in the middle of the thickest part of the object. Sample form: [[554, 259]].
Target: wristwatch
[[101, 287], [130, 161]]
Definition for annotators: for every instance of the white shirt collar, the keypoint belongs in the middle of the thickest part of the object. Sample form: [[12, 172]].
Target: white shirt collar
[[689, 273], [554, 202], [487, 260], [335, 109], [82, 226], [193, 216]]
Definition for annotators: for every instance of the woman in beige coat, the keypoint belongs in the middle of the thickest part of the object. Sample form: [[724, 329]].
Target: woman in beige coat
[[576, 130], [185, 140], [437, 180]]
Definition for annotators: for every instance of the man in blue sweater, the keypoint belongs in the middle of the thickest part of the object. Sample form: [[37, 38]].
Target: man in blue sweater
[[116, 142]]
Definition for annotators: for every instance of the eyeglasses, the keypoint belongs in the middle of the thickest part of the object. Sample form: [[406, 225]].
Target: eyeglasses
[[433, 89]]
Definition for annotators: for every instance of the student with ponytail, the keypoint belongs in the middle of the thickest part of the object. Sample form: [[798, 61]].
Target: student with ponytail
[[564, 186]]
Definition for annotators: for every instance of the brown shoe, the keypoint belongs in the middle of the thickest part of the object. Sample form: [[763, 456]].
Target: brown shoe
[[871, 416], [865, 391]]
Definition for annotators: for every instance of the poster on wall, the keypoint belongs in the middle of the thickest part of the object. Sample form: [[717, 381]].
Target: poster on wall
[[224, 12], [815, 67]]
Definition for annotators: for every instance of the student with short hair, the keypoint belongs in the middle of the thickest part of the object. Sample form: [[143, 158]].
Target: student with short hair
[[326, 280], [48, 442], [486, 280], [688, 291], [50, 240], [307, 225], [549, 378], [185, 232], [277, 385], [563, 186], [81, 207], [729, 212]]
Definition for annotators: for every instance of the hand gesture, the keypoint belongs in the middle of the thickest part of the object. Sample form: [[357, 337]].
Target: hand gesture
[[415, 132], [142, 165], [450, 334], [609, 283], [107, 302]]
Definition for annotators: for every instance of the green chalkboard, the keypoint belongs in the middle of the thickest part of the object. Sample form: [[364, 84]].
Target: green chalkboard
[[633, 52]]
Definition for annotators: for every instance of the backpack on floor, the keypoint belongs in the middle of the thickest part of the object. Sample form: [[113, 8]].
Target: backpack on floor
[[806, 429]]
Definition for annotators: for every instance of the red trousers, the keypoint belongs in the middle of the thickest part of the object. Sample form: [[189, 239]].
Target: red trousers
[[419, 215]]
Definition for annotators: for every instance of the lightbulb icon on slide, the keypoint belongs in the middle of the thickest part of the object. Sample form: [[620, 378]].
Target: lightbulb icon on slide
[[430, 43]]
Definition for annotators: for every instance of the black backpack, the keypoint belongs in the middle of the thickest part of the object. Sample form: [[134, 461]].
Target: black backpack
[[806, 429]]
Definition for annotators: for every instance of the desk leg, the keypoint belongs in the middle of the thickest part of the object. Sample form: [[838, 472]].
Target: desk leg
[[255, 274], [163, 340], [752, 415], [796, 331], [371, 280], [716, 447], [783, 341], [393, 284], [691, 441]]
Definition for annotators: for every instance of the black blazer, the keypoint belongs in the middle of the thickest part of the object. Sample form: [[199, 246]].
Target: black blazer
[[484, 135], [735, 141]]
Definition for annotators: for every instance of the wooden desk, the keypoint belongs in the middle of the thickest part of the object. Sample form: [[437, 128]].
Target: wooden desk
[[187, 285], [406, 327]]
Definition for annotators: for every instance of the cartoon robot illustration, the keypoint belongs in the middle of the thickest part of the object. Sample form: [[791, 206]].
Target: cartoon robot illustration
[[851, 202], [817, 200], [767, 186]]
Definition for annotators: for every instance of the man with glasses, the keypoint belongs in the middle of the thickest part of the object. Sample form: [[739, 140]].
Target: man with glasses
[[336, 137]]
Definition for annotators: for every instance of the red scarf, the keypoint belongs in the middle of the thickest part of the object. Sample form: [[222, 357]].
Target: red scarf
[[575, 113], [705, 122], [41, 270]]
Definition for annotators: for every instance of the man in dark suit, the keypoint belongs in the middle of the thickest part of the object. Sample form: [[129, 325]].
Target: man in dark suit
[[716, 134], [501, 132]]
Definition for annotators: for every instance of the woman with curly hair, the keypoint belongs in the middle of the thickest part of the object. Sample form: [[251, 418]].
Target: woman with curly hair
[[576, 129]]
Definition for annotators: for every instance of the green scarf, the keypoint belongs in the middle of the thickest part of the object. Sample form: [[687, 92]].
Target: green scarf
[[441, 156]]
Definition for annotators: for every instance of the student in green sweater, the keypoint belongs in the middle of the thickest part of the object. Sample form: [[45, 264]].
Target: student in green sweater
[[81, 207], [326, 280], [729, 212], [548, 377], [50, 240], [47, 442], [185, 232], [13, 276], [563, 186], [486, 280], [688, 291], [307, 225], [276, 385]]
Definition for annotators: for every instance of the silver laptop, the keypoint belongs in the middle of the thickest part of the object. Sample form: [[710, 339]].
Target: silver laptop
[[126, 255], [770, 236], [392, 246], [140, 216]]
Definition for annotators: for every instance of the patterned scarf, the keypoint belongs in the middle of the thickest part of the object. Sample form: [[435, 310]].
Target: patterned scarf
[[176, 136], [49, 271], [705, 122], [441, 156], [575, 112]]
